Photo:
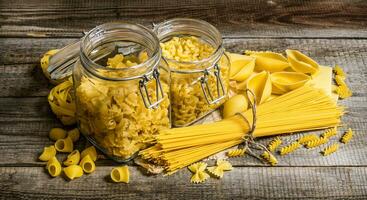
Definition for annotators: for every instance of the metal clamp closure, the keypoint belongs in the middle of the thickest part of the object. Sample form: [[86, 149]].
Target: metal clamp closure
[[206, 88], [145, 93]]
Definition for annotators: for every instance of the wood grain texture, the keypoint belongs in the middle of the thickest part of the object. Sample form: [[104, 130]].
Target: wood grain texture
[[234, 18], [240, 183]]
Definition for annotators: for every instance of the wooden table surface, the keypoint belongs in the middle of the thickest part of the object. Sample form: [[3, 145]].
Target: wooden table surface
[[331, 32]]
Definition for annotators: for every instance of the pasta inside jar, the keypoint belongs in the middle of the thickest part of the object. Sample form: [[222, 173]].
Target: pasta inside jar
[[122, 96], [199, 68]]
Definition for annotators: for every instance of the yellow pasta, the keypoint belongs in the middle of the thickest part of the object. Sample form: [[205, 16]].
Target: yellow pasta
[[235, 104], [270, 158], [120, 174], [74, 134], [339, 71], [64, 145], [343, 91], [87, 164], [301, 63], [269, 61], [236, 153], [45, 61], [260, 85], [241, 67], [290, 148], [199, 175], [330, 149], [218, 171], [53, 167], [48, 153], [91, 151], [73, 171], [339, 80], [317, 142], [283, 82], [73, 158], [57, 133], [307, 138], [347, 136], [274, 144], [329, 132]]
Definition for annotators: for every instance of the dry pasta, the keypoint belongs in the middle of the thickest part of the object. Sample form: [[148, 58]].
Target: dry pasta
[[307, 138], [274, 144], [57, 133], [330, 149], [235, 104], [73, 171], [120, 174], [290, 148], [269, 61], [74, 134], [199, 174], [91, 151], [339, 71], [347, 136], [73, 158], [317, 142], [45, 61], [236, 152], [301, 63], [64, 145], [53, 167], [260, 85], [343, 91], [270, 158], [329, 132], [87, 164], [218, 171], [48, 153]]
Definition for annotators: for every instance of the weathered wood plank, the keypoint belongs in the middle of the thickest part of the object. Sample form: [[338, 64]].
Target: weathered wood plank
[[277, 18], [240, 183], [20, 74]]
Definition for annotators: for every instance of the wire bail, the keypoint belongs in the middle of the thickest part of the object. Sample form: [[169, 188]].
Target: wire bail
[[145, 93], [219, 85]]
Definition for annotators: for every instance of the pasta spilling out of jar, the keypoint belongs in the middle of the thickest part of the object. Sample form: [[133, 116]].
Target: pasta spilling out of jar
[[188, 99], [114, 114]]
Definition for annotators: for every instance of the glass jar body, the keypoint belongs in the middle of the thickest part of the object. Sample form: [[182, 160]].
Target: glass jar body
[[119, 110]]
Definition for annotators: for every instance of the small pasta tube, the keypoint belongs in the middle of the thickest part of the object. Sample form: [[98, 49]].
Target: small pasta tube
[[120, 174], [73, 158], [53, 167], [73, 171], [48, 153], [64, 145], [74, 134], [87, 164], [91, 151], [57, 134]]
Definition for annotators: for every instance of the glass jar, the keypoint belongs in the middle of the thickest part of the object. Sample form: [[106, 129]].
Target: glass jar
[[200, 86], [121, 107]]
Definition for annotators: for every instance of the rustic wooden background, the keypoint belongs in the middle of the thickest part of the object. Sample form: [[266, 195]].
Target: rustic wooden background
[[332, 32]]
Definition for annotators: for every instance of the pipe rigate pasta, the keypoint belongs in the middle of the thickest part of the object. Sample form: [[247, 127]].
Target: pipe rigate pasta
[[53, 167], [290, 148], [236, 152], [270, 158], [91, 151], [307, 138], [330, 149], [57, 133], [74, 134], [198, 170], [317, 142], [343, 91], [64, 145], [260, 85], [301, 63], [73, 171], [87, 164], [120, 174], [269, 61], [73, 158], [347, 136], [218, 171], [329, 132], [274, 144], [48, 153]]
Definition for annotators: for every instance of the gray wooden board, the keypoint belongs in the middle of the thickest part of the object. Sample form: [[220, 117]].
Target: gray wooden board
[[234, 18], [240, 183]]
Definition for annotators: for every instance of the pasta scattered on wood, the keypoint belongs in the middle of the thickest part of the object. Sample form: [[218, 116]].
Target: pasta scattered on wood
[[120, 174], [290, 148], [236, 153], [307, 138], [347, 136], [57, 133], [91, 151], [199, 175], [343, 91], [330, 149], [73, 158], [218, 171], [74, 134], [274, 144], [317, 142], [64, 145], [329, 132], [339, 80], [48, 153], [270, 158], [73, 171], [339, 71], [88, 164], [54, 167]]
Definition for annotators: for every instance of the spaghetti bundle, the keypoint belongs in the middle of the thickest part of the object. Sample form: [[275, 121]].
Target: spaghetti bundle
[[302, 109]]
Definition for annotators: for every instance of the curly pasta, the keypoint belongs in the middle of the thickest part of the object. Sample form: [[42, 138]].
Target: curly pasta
[[274, 144], [307, 138], [343, 91], [317, 142], [236, 152], [290, 148], [329, 132], [347, 136], [218, 171], [270, 158], [330, 149], [339, 71]]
